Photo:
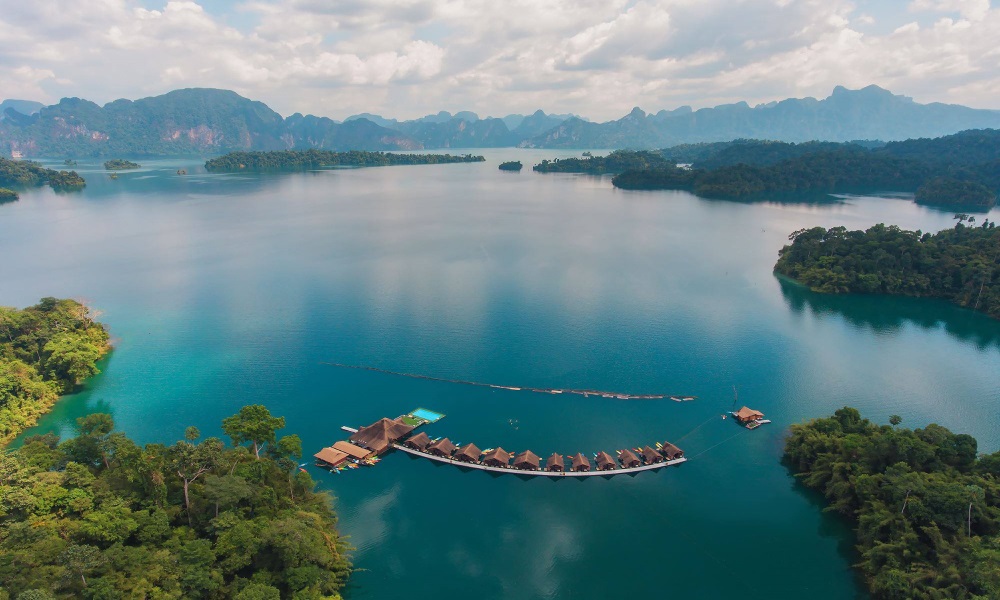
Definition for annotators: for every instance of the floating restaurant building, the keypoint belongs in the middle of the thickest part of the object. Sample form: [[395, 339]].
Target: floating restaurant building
[[380, 435], [746, 415]]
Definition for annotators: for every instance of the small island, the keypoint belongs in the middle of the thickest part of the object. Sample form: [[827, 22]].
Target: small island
[[8, 195], [616, 162], [924, 505], [25, 173], [297, 160], [958, 265], [511, 165], [120, 164], [100, 516]]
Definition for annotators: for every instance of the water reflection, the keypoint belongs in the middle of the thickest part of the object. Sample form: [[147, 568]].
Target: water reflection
[[888, 314]]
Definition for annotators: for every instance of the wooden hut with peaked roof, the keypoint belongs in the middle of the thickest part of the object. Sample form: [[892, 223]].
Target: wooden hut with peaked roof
[[671, 452], [628, 459], [651, 456], [605, 462], [442, 447], [498, 457], [580, 463], [526, 461], [380, 435], [418, 442], [468, 453], [746, 415], [555, 463], [329, 457]]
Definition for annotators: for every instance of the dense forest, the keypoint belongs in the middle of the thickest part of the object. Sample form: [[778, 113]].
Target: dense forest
[[924, 505], [7, 195], [98, 516], [45, 350], [313, 159], [120, 164], [615, 162], [961, 265], [25, 173], [961, 170]]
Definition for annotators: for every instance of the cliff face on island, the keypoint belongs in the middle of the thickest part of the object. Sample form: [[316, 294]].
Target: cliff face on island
[[197, 121]]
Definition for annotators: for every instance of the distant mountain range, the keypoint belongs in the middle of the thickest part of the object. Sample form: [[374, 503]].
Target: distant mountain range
[[209, 121]]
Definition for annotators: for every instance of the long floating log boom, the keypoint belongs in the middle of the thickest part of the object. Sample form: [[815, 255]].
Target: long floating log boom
[[601, 393]]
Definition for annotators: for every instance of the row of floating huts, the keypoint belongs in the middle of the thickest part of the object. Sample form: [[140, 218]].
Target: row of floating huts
[[380, 436], [529, 461]]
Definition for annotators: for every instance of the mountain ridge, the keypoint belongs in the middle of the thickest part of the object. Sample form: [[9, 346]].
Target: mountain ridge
[[207, 120]]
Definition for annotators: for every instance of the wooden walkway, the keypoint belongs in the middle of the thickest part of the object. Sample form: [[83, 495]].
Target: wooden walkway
[[511, 471]]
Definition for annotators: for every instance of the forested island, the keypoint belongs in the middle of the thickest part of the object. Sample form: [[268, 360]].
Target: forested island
[[960, 171], [961, 265], [98, 516], [120, 164], [511, 165], [615, 162], [314, 159], [25, 173], [8, 195], [924, 506], [45, 350]]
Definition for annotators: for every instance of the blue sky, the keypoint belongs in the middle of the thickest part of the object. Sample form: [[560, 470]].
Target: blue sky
[[407, 58]]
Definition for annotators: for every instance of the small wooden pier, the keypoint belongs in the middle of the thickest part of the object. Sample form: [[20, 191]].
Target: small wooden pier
[[509, 470]]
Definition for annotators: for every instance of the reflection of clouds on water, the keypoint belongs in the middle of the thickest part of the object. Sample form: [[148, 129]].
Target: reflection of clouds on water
[[370, 522], [537, 554]]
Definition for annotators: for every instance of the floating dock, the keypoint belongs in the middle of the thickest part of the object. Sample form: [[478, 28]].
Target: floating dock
[[618, 470]]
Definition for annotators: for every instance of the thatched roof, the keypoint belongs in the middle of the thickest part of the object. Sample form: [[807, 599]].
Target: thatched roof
[[748, 414], [526, 460], [651, 456], [605, 462], [629, 459], [580, 462], [442, 447], [497, 457], [468, 453], [671, 451], [380, 434], [352, 450], [330, 456], [419, 441], [555, 463]]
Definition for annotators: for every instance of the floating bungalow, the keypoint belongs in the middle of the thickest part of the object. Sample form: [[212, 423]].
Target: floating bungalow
[[355, 452], [497, 458], [442, 447], [555, 464], [605, 462], [468, 453], [380, 435], [651, 456], [526, 461], [418, 442], [750, 418], [580, 463], [329, 457], [628, 459], [671, 452]]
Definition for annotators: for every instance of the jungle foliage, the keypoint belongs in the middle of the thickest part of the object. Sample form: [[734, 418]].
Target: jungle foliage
[[45, 350], [98, 516], [925, 507], [25, 173], [960, 265]]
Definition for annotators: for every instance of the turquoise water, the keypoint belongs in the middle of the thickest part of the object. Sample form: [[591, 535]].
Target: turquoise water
[[223, 290]]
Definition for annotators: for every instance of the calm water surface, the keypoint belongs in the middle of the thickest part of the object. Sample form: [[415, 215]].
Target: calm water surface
[[224, 290]]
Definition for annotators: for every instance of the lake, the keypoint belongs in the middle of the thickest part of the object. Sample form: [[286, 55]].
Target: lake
[[226, 290]]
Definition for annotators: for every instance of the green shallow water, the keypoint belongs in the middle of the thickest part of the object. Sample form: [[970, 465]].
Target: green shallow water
[[223, 290]]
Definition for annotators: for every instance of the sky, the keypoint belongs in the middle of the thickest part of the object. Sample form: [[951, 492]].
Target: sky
[[409, 58]]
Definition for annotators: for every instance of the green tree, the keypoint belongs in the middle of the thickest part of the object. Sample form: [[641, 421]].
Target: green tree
[[253, 424]]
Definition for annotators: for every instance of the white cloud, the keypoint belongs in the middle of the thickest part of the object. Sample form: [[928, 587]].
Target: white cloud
[[406, 58]]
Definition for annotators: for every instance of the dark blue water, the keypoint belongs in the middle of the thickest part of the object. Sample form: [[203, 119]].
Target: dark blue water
[[224, 290]]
